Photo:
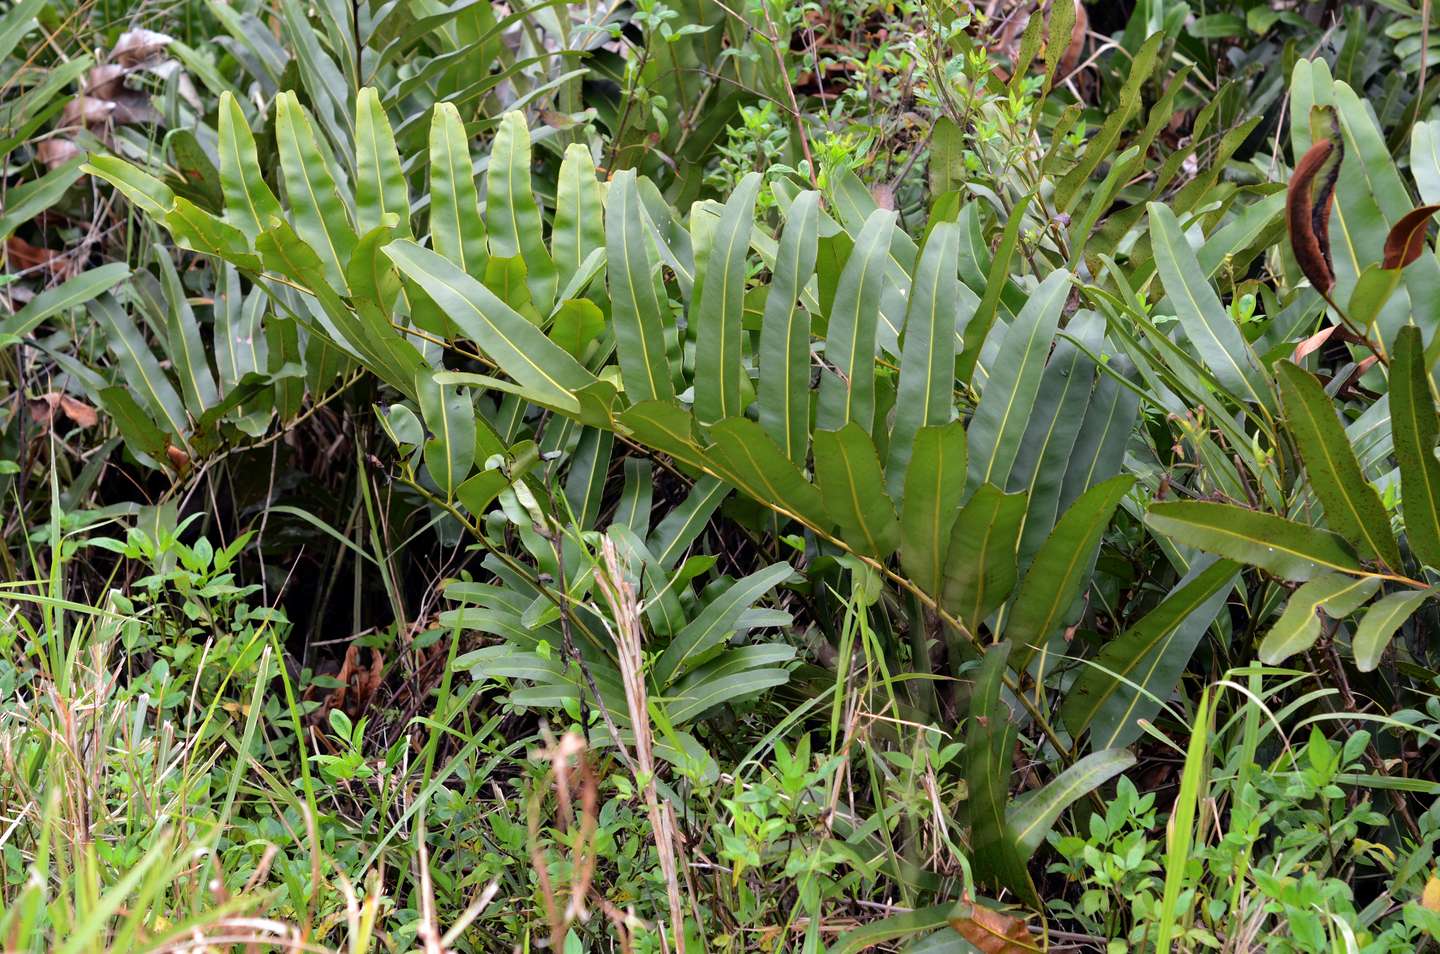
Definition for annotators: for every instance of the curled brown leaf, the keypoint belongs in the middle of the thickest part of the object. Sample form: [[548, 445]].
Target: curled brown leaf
[[1307, 207], [1406, 239]]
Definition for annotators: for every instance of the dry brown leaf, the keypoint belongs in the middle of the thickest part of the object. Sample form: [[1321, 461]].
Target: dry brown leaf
[[1406, 239], [994, 932], [1430, 898], [1308, 202], [44, 408], [21, 256]]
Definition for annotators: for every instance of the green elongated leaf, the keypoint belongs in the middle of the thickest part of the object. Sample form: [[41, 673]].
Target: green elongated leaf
[[52, 301], [1289, 550], [480, 490], [1101, 148], [1414, 426], [457, 230], [585, 484], [1217, 339], [519, 348], [852, 485], [1099, 450], [320, 216], [577, 323], [1003, 414], [17, 22], [198, 230], [669, 428], [1031, 819], [249, 203], [148, 193], [980, 566], [1336, 594], [1111, 696], [239, 339], [379, 177], [721, 307], [24, 202], [637, 307], [511, 213], [1372, 292], [579, 228], [1056, 419], [683, 525], [927, 361], [934, 487], [743, 454], [715, 623], [142, 372], [996, 281], [637, 497], [1378, 625], [450, 422], [784, 385], [282, 347], [1061, 568], [135, 426], [1352, 507], [989, 746], [847, 393], [183, 343]]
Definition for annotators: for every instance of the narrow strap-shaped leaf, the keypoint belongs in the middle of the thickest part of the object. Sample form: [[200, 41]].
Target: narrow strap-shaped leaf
[[852, 485], [980, 567], [141, 369], [456, 229], [511, 213], [147, 192], [715, 623], [450, 424], [1217, 339], [934, 487], [1377, 627], [927, 359], [636, 307], [721, 307], [585, 483], [1140, 667], [579, 227], [1061, 568], [995, 283], [1055, 425], [750, 459], [637, 495], [1335, 594], [320, 215], [989, 746], [1414, 426], [1099, 450], [1289, 550], [683, 525], [53, 301], [847, 388], [1352, 507], [784, 384], [134, 424], [1003, 414], [1031, 819], [249, 203], [183, 342], [519, 348], [379, 178]]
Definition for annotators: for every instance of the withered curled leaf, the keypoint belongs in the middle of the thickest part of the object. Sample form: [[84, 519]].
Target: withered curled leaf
[[1407, 237], [993, 932], [1310, 197]]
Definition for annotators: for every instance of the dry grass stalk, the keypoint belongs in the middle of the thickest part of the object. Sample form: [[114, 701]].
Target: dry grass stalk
[[628, 644]]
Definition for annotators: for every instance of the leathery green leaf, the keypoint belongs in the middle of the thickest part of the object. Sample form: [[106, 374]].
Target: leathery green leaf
[[249, 203], [720, 310], [511, 213], [1030, 819], [784, 384], [1289, 550], [379, 177], [847, 393], [934, 486], [1062, 567], [579, 213], [637, 310], [853, 488], [1414, 426], [1352, 507], [980, 568], [989, 747], [450, 422], [456, 229], [320, 216], [1337, 595], [1377, 627]]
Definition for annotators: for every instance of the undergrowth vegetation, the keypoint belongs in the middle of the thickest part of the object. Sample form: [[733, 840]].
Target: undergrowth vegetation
[[691, 476]]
